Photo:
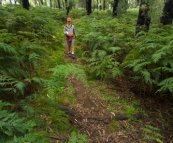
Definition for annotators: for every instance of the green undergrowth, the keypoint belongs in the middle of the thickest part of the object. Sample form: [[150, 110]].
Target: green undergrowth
[[33, 73], [117, 105]]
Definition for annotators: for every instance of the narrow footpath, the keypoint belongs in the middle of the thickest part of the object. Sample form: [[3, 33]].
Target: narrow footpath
[[91, 116]]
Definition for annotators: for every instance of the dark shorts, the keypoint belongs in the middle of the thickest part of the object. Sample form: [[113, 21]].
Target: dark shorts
[[70, 43]]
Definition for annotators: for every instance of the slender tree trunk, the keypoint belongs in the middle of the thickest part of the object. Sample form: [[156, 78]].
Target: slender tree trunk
[[143, 21], [97, 6], [41, 1], [167, 15], [67, 8], [59, 4], [50, 3], [88, 6], [63, 5], [25, 4], [100, 5], [104, 4], [115, 7]]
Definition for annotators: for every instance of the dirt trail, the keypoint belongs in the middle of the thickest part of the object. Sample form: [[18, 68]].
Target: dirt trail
[[90, 115]]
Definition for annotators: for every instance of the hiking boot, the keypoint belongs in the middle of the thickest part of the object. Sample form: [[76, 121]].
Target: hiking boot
[[73, 56], [69, 54]]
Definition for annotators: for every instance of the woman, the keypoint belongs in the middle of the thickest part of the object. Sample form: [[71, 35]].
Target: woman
[[69, 31]]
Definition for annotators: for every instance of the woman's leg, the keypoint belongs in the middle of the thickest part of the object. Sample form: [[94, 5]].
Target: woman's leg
[[72, 47]]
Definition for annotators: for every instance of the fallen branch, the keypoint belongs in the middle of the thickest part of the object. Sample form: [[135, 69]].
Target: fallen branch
[[106, 119], [116, 117]]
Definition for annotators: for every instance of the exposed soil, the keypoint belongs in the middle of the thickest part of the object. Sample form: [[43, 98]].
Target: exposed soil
[[93, 118]]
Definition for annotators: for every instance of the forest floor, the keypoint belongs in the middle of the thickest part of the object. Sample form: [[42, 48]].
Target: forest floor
[[104, 122]]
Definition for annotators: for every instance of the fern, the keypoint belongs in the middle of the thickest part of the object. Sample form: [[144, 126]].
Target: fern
[[62, 71], [103, 65], [34, 59], [152, 133], [13, 127], [8, 83], [78, 138], [166, 85]]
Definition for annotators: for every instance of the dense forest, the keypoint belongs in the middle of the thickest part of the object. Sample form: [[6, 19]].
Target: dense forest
[[119, 88]]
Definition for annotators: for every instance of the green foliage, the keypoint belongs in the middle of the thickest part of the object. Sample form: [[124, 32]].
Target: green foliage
[[27, 40], [105, 42], [130, 110], [152, 134], [14, 128], [114, 125], [78, 138], [77, 13], [152, 59], [62, 71], [103, 65]]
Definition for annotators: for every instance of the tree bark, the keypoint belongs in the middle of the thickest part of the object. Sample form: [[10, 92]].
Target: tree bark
[[25, 4], [50, 3], [105, 119], [115, 7], [59, 4], [143, 21], [88, 6], [104, 4], [67, 8], [167, 15]]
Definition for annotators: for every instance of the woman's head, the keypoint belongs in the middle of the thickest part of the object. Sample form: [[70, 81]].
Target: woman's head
[[68, 19]]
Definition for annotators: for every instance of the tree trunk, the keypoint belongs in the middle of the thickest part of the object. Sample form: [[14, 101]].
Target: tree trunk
[[63, 5], [115, 7], [25, 4], [50, 3], [100, 5], [104, 4], [143, 21], [88, 6], [167, 15], [41, 1], [59, 4], [67, 8]]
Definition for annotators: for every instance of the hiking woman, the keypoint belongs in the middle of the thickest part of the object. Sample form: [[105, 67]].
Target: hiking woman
[[69, 31]]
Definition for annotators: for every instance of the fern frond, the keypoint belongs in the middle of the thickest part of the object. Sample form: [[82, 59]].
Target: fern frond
[[140, 66], [20, 86], [133, 63], [8, 83], [34, 59], [114, 49], [7, 50], [62, 71], [157, 56], [147, 77], [166, 84]]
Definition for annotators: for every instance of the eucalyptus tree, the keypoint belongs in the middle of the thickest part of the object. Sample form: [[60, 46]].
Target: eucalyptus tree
[[104, 4], [143, 21], [115, 7], [25, 4], [119, 7], [88, 6], [69, 4], [167, 14], [59, 4]]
